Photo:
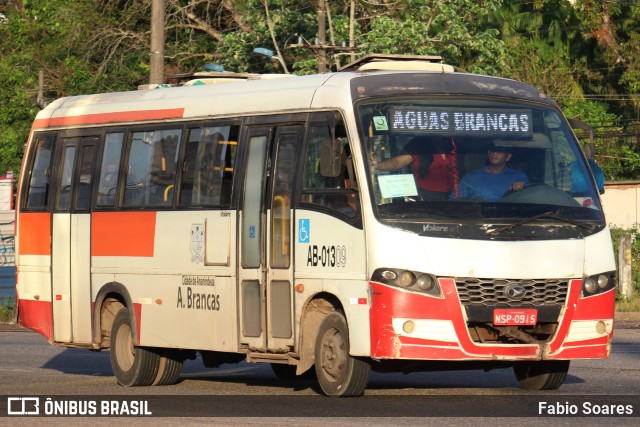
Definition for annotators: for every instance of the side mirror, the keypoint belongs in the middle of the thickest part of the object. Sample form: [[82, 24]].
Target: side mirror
[[598, 174]]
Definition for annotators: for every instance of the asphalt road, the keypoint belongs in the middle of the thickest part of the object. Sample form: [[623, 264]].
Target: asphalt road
[[250, 394]]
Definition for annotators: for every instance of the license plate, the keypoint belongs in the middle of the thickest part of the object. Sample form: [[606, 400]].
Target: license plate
[[515, 316]]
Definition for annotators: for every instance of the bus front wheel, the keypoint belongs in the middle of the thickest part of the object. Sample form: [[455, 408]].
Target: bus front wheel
[[543, 375], [132, 366], [339, 374]]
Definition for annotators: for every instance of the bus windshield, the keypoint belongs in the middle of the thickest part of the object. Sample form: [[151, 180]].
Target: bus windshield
[[475, 161]]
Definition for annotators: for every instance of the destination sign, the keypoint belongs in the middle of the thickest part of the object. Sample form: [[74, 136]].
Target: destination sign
[[461, 121]]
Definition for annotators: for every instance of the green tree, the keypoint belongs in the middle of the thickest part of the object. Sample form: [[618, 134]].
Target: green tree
[[573, 51]]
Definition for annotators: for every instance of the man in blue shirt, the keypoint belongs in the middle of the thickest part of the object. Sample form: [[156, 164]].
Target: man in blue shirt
[[493, 181]]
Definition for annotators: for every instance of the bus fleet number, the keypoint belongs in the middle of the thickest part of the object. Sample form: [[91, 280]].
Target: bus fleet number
[[327, 256]]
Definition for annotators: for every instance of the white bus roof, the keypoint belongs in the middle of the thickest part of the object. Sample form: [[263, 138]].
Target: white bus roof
[[268, 95]]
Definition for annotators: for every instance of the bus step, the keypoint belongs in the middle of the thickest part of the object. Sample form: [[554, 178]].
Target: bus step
[[267, 357]]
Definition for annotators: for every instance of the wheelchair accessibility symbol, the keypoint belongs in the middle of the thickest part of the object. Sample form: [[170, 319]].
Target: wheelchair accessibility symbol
[[303, 230]]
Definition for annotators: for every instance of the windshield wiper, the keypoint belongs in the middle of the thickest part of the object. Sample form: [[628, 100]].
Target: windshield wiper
[[545, 215]]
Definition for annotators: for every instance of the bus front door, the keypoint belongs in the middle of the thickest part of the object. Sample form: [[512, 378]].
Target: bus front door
[[70, 241], [266, 268]]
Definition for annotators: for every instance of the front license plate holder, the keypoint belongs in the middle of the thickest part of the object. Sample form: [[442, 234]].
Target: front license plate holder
[[515, 316]]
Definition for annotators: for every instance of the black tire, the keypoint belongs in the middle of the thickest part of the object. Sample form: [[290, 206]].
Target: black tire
[[132, 366], [169, 368], [543, 375], [339, 374]]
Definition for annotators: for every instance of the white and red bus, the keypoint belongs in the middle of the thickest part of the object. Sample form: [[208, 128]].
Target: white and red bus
[[246, 221]]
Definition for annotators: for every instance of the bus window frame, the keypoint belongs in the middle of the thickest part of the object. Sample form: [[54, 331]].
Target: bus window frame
[[29, 165], [80, 135], [124, 165], [238, 163], [101, 152], [317, 119]]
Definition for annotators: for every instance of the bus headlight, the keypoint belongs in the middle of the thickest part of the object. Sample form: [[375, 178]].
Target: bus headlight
[[597, 283], [406, 279], [411, 280], [590, 285], [603, 281], [425, 282]]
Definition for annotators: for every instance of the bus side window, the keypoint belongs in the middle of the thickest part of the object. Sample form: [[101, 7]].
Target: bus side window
[[40, 181], [209, 165], [110, 169], [87, 162], [329, 186], [151, 172]]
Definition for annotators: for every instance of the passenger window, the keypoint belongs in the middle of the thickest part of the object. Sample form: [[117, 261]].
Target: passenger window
[[151, 173], [87, 162], [40, 181], [64, 189], [328, 181], [110, 169], [209, 165]]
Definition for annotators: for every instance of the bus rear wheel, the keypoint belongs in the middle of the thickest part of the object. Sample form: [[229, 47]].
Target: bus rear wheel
[[169, 368], [543, 375], [132, 366], [339, 374]]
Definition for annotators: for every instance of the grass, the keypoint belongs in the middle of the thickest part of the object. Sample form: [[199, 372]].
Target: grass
[[7, 310], [628, 305]]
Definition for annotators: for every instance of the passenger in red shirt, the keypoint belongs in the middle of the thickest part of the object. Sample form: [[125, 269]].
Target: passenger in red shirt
[[433, 162]]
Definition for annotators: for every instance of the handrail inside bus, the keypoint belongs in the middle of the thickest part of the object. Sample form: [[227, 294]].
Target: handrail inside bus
[[281, 202], [166, 192]]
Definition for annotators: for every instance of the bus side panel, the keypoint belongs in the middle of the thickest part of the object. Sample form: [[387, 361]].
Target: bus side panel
[[34, 302], [330, 257], [35, 234], [33, 287], [178, 269], [123, 234]]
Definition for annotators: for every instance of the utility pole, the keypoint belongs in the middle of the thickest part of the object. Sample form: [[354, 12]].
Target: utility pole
[[322, 37], [40, 95], [352, 18], [156, 63]]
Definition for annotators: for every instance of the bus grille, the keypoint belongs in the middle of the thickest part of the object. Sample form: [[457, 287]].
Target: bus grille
[[493, 292]]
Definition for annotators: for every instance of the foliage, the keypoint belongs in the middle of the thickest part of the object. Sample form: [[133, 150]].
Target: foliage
[[7, 310], [617, 158], [584, 54], [616, 233]]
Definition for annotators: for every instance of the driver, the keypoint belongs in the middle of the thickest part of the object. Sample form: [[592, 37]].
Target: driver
[[495, 179]]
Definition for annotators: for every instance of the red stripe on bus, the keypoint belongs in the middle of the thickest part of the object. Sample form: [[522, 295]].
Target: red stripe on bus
[[35, 234], [36, 315], [123, 233], [600, 306], [137, 311], [101, 118]]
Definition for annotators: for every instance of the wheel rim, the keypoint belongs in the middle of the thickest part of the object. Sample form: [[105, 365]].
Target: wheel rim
[[125, 352], [334, 355]]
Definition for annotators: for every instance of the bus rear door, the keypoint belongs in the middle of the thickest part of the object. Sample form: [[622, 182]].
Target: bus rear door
[[70, 240]]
